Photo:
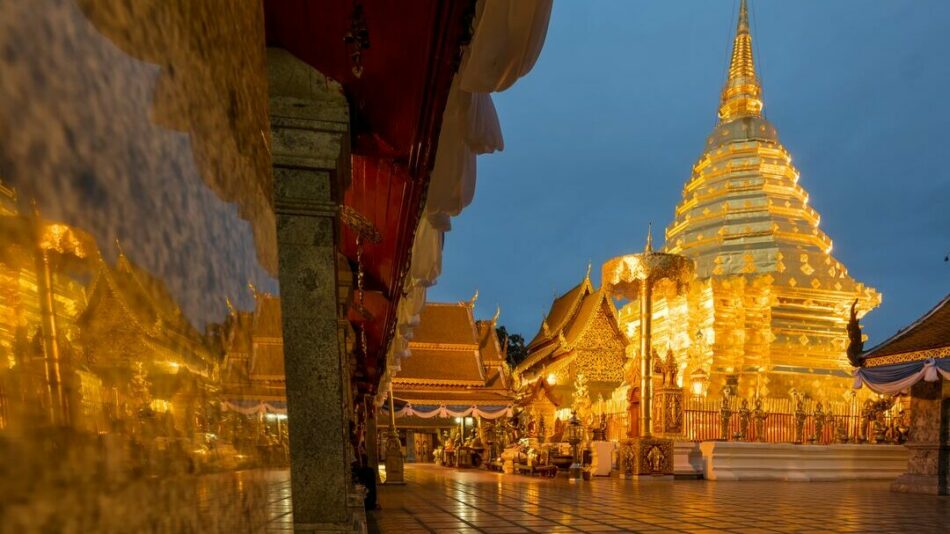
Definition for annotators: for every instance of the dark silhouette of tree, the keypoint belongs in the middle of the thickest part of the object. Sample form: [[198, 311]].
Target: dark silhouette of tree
[[517, 351]]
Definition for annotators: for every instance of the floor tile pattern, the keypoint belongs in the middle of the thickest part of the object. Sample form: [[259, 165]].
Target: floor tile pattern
[[440, 500]]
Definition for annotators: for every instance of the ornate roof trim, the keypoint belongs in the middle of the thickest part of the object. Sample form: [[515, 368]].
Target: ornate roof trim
[[547, 334], [937, 320]]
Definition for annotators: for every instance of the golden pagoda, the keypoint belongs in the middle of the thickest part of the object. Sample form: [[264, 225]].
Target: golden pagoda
[[768, 310]]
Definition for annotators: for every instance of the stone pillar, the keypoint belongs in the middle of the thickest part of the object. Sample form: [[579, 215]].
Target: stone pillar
[[928, 467], [310, 151]]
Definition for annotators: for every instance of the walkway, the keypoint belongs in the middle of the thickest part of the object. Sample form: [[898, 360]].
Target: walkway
[[437, 500]]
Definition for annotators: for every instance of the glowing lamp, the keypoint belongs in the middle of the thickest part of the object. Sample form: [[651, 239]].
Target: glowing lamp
[[698, 380], [552, 379]]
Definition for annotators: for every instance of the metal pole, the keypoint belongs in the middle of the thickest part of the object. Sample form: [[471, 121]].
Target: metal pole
[[646, 358]]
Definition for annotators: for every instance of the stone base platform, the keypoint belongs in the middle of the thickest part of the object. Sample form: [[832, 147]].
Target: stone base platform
[[687, 460], [727, 460]]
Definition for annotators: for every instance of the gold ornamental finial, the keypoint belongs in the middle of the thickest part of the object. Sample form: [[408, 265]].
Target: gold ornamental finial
[[742, 95], [649, 246], [494, 318]]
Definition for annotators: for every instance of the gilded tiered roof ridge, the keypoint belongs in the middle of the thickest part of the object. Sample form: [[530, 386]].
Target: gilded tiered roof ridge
[[743, 211], [742, 94]]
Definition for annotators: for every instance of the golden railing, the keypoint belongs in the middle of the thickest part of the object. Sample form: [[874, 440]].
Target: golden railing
[[702, 421]]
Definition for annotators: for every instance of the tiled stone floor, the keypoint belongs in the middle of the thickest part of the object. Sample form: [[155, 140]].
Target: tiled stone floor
[[437, 500]]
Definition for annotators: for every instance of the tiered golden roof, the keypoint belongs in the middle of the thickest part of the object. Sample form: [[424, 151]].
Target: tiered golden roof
[[580, 334], [770, 297]]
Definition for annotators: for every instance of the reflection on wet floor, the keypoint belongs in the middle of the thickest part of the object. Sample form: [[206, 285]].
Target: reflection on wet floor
[[438, 499]]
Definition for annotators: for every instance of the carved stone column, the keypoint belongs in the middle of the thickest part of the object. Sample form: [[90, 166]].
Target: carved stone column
[[928, 467], [310, 150]]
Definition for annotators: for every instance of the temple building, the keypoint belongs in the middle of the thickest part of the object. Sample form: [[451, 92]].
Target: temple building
[[253, 383], [456, 373], [147, 353], [768, 310], [917, 360], [253, 379], [580, 335]]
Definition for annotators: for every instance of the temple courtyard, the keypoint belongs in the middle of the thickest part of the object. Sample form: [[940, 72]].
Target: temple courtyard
[[437, 499]]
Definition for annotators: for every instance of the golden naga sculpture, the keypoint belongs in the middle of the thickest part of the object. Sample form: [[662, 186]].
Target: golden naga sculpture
[[855, 338]]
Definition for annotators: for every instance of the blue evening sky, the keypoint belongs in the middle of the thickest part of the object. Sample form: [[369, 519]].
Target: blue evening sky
[[601, 136]]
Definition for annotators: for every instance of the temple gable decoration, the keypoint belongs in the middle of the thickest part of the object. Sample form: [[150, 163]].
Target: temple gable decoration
[[580, 334]]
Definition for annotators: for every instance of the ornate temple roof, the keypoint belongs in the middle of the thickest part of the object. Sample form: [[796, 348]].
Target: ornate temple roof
[[446, 323], [563, 309], [441, 366], [927, 337], [453, 359], [488, 344], [570, 317], [143, 301]]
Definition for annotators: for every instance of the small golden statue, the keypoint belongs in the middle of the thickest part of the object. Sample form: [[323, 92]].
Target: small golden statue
[[819, 417], [800, 417], [880, 426], [676, 412], [867, 415], [901, 428], [667, 369], [655, 459], [725, 414], [759, 415], [745, 417]]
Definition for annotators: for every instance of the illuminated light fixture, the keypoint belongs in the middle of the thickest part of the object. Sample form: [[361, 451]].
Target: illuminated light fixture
[[552, 379], [699, 380], [458, 419], [276, 416]]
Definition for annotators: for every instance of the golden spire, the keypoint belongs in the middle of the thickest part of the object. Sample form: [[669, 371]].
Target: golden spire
[[742, 95], [649, 246]]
